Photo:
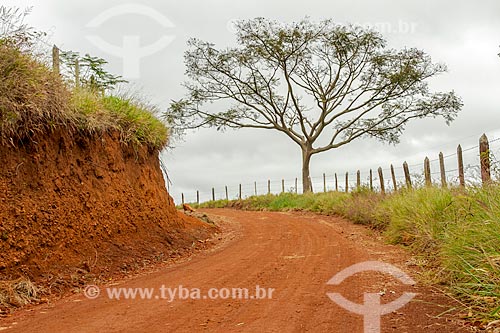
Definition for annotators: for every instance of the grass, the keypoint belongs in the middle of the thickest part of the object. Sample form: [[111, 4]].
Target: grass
[[33, 100], [455, 232], [135, 122], [17, 293]]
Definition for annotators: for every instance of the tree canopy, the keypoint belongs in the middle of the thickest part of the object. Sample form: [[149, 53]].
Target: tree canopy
[[321, 84]]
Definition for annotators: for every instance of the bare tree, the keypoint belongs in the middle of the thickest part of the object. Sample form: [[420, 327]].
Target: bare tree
[[321, 84]]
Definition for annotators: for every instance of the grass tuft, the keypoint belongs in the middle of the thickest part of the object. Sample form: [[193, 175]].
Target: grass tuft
[[32, 98]]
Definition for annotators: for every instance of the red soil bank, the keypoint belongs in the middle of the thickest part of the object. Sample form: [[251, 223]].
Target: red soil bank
[[74, 205]]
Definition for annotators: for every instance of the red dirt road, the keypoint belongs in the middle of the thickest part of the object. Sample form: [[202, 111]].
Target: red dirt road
[[294, 253]]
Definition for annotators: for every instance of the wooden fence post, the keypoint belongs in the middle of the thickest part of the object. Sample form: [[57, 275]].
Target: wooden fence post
[[296, 186], [269, 186], [381, 178], [282, 186], [484, 155], [55, 59], [393, 175], [255, 187], [227, 196], [461, 176], [197, 197], [239, 193], [346, 182], [182, 195], [371, 180], [77, 73], [213, 194], [407, 175], [358, 179], [336, 183], [442, 170], [427, 172], [324, 183]]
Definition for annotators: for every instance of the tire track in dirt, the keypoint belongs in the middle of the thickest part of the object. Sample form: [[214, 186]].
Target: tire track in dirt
[[294, 253]]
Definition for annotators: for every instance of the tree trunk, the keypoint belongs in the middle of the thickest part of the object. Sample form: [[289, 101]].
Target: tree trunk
[[306, 159]]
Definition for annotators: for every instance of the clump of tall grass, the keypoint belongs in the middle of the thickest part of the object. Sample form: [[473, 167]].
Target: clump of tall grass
[[134, 121], [32, 98], [471, 251], [458, 233], [417, 218]]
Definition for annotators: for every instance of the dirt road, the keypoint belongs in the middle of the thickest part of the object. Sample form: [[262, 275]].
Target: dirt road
[[295, 254]]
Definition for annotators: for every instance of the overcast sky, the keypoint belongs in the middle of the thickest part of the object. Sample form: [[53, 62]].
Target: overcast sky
[[465, 35]]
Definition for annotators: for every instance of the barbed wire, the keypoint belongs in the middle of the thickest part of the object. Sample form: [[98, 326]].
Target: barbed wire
[[325, 181]]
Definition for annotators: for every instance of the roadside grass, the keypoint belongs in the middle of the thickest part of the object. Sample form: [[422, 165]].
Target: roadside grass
[[210, 204], [455, 233], [33, 99]]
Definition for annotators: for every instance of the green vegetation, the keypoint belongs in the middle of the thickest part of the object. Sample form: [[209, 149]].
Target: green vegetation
[[34, 99], [90, 74], [134, 121], [455, 233]]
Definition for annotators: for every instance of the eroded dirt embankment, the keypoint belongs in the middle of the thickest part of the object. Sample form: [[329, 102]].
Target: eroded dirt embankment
[[78, 206]]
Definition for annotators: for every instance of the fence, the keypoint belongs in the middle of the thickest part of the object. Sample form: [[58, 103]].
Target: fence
[[430, 172], [56, 65]]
